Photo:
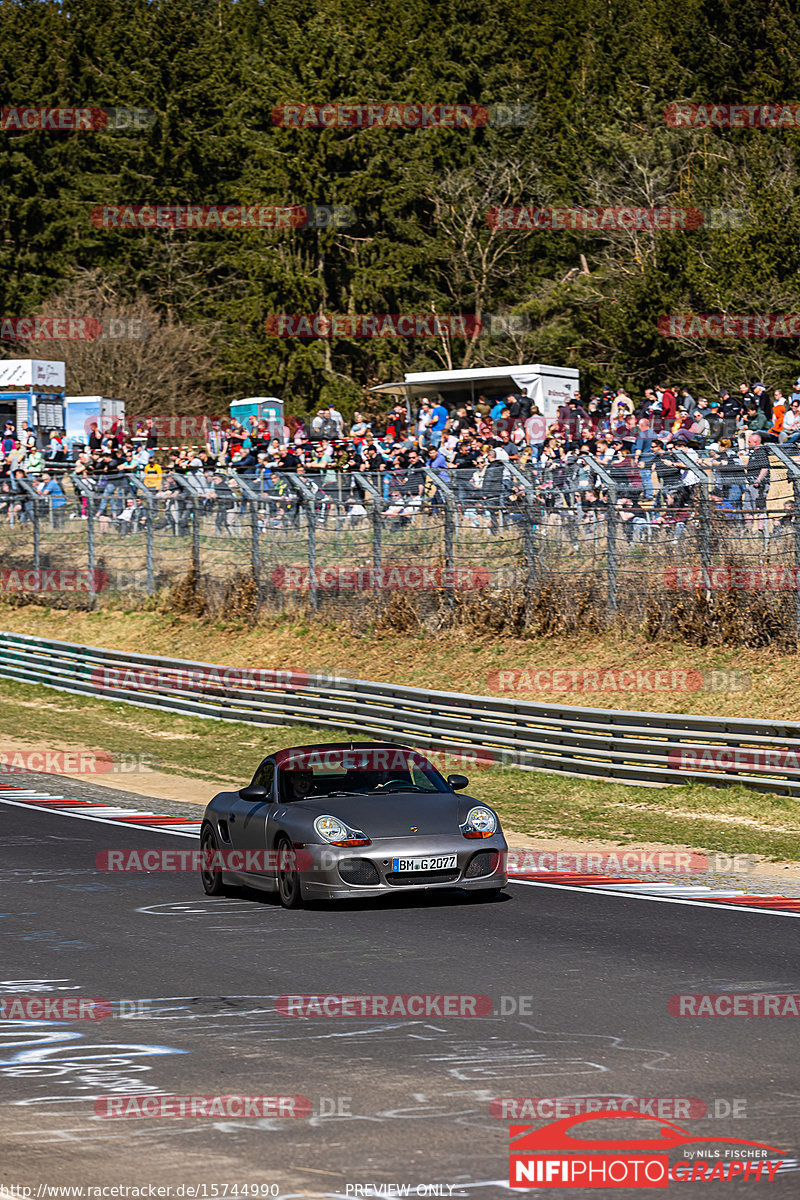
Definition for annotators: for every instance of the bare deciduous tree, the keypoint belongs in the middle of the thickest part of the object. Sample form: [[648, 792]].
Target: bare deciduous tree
[[129, 351]]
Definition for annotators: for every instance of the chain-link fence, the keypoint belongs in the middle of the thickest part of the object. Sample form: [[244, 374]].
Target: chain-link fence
[[592, 541]]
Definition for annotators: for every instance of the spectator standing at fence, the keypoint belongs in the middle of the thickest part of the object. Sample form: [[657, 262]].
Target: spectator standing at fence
[[439, 417], [519, 407], [709, 411], [56, 450], [763, 401], [27, 436], [424, 419], [758, 481], [667, 471], [492, 489], [753, 420], [643, 455], [19, 506], [141, 457], [51, 490], [217, 442], [745, 396], [111, 484], [34, 463], [397, 428], [504, 423], [535, 432], [729, 473], [139, 437], [730, 406], [701, 423], [331, 426], [633, 517], [359, 427], [574, 416], [620, 408], [791, 423], [778, 413]]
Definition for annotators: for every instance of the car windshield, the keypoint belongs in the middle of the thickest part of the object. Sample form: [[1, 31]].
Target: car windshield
[[368, 770]]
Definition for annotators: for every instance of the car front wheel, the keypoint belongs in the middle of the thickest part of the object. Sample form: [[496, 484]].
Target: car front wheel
[[288, 878], [211, 880]]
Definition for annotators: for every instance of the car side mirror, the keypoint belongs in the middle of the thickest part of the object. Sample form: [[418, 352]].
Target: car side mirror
[[457, 782], [254, 792]]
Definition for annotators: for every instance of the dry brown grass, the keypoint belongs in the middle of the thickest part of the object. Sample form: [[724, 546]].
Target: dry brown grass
[[455, 658]]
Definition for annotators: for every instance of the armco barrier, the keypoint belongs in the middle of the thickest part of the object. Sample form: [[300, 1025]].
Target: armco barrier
[[627, 747]]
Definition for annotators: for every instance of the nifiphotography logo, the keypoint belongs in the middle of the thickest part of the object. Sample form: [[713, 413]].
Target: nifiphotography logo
[[552, 1157]]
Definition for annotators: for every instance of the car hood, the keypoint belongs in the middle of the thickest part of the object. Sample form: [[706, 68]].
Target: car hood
[[394, 815]]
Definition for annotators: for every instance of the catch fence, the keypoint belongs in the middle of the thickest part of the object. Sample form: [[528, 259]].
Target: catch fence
[[607, 537]]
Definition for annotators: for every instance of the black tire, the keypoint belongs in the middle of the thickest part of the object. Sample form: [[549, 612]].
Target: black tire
[[211, 880], [288, 880]]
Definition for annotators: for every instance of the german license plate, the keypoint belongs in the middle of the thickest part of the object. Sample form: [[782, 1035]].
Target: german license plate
[[443, 862]]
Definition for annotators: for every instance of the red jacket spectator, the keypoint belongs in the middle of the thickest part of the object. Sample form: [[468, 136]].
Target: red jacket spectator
[[669, 404]]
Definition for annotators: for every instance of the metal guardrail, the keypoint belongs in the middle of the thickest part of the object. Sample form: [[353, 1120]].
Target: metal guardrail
[[626, 747]]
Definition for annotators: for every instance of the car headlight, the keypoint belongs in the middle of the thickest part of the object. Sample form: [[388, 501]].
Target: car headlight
[[336, 833], [480, 823]]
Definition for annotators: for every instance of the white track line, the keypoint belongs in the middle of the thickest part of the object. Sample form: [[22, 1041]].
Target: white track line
[[81, 815], [594, 889]]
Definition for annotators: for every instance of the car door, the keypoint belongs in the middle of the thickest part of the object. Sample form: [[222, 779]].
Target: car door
[[247, 820]]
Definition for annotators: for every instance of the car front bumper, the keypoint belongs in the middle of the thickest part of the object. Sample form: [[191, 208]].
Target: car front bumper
[[323, 881]]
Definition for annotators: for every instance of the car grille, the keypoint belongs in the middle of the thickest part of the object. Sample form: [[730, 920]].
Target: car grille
[[482, 863], [359, 871], [403, 878]]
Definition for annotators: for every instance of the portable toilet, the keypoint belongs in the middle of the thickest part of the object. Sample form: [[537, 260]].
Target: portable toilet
[[263, 408]]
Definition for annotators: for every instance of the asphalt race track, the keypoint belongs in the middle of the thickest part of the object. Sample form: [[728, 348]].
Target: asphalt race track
[[579, 982]]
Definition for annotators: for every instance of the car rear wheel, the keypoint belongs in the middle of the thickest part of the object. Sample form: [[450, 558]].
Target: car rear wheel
[[288, 879], [211, 880]]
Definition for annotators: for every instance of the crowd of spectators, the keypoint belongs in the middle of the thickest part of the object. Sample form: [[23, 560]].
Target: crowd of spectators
[[469, 446]]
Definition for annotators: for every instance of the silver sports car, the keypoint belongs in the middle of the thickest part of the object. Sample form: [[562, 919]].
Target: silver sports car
[[342, 819]]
